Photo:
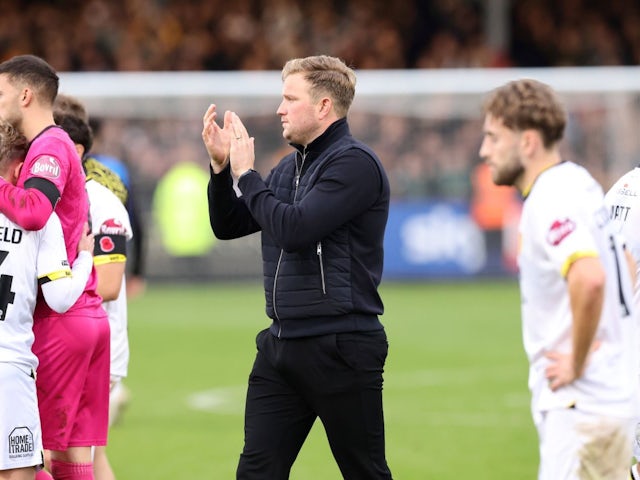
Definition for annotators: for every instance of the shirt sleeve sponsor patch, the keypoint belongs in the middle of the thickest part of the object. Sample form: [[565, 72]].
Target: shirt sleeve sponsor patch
[[559, 230], [112, 226], [46, 166]]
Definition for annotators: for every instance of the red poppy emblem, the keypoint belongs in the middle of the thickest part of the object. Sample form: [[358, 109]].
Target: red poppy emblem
[[106, 244]]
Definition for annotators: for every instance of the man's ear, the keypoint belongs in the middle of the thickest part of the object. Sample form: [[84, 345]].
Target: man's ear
[[26, 96], [16, 172], [530, 142], [324, 107], [80, 150]]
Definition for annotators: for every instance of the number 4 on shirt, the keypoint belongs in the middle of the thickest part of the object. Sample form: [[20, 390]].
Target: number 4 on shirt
[[6, 295]]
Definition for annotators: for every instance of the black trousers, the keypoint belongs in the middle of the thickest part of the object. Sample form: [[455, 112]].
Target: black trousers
[[336, 377]]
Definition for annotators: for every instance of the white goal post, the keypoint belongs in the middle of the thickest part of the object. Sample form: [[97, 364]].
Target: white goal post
[[113, 93]]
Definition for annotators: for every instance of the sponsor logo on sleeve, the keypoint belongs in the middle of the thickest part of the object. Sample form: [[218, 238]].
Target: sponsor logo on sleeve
[[46, 166], [559, 230], [112, 226]]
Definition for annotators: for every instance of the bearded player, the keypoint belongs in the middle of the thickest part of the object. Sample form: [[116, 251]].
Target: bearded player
[[73, 348]]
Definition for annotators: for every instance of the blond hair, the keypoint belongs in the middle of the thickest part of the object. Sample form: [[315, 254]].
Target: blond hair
[[327, 76], [13, 146]]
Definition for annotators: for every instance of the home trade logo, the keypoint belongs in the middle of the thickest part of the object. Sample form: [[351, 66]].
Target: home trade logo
[[20, 442]]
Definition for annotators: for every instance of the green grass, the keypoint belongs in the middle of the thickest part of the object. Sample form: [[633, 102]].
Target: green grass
[[456, 402]]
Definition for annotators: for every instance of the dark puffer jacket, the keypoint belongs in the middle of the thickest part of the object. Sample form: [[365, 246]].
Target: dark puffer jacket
[[322, 212]]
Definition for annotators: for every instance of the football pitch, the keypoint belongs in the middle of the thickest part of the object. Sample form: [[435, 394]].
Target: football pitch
[[456, 399]]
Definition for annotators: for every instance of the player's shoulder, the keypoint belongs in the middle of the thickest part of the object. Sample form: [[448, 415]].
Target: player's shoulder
[[100, 194], [628, 182], [574, 180], [103, 202], [566, 190], [568, 169], [52, 139], [52, 155], [105, 206]]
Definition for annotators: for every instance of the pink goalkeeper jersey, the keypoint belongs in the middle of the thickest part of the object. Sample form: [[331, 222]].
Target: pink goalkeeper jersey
[[52, 156]]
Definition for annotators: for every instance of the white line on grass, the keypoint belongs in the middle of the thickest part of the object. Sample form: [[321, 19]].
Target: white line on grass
[[223, 400], [229, 400]]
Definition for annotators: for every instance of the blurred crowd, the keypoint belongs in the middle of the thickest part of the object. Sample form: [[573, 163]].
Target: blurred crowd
[[554, 33], [424, 157], [153, 35]]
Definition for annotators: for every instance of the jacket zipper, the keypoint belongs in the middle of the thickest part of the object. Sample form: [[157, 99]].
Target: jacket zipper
[[273, 299], [319, 252], [295, 194], [299, 173]]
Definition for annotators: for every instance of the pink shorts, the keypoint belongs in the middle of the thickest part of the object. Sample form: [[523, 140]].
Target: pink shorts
[[73, 379]]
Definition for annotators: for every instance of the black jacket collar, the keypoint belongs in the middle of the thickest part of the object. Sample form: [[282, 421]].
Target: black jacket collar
[[337, 129]]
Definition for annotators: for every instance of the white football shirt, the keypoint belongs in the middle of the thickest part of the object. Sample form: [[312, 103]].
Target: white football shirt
[[623, 202], [563, 219], [110, 220], [25, 257]]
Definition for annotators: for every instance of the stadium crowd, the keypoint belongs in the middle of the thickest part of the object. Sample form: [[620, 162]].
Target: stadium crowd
[[424, 157], [153, 35]]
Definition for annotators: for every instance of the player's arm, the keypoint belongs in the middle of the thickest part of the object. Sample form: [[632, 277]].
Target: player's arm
[[349, 184], [31, 206], [586, 282], [110, 276], [228, 214], [110, 261], [62, 288]]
